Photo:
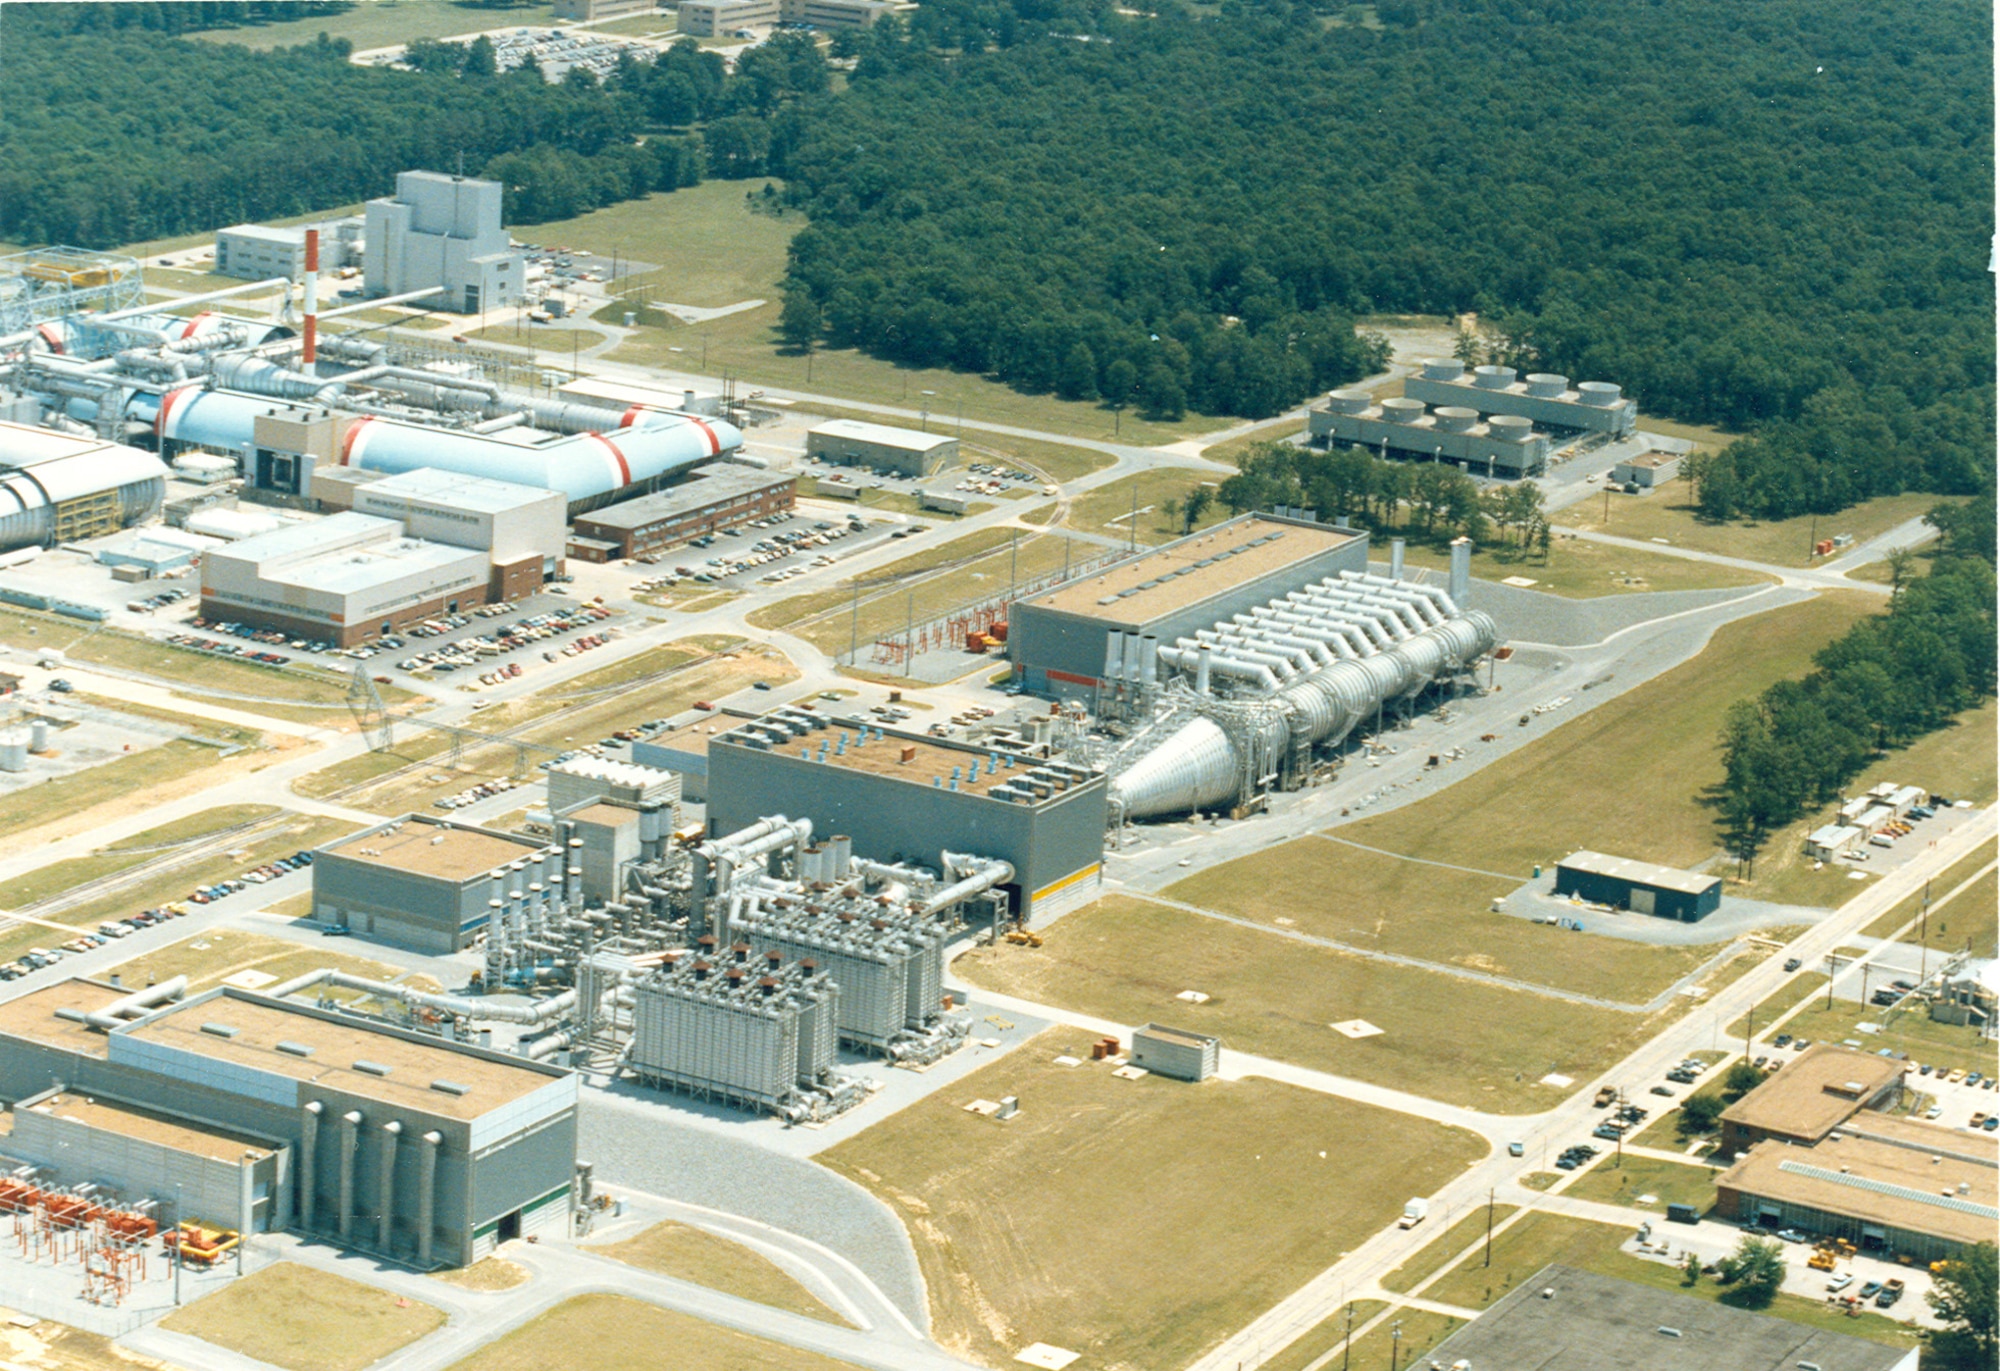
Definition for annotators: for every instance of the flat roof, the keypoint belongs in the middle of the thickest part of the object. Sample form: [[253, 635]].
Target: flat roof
[[616, 816], [705, 487], [336, 1046], [314, 536], [1190, 570], [1650, 459], [1562, 1319], [883, 755], [1641, 873], [1814, 1092], [693, 736], [146, 1125], [1874, 1180], [881, 435], [430, 847], [1180, 1036], [457, 491], [343, 571], [33, 1016]]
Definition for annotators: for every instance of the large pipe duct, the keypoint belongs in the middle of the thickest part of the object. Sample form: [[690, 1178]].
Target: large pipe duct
[[128, 1007], [350, 1143], [385, 1184], [427, 1160], [308, 1181], [530, 1015]]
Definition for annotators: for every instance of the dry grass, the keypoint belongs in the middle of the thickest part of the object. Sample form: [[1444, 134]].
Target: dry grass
[[48, 881], [1057, 1225], [305, 1320], [1441, 1251], [206, 959], [491, 1275], [613, 1333], [1107, 510], [1323, 1338], [383, 23], [690, 1254], [1669, 513], [1581, 569]]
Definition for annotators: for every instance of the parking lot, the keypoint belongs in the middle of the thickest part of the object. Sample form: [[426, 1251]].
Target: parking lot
[[771, 551]]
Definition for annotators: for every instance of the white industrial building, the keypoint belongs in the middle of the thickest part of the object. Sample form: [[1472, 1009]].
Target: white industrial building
[[1505, 446], [520, 527], [1543, 398], [345, 579], [1648, 471], [444, 232], [257, 252], [850, 442]]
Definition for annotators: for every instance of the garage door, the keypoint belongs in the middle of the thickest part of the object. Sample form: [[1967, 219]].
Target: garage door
[[1642, 901]]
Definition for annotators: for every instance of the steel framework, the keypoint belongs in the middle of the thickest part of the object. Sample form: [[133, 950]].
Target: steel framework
[[49, 283]]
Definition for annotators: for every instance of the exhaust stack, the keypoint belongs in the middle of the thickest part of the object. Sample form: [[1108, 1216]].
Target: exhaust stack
[[311, 352], [1461, 570]]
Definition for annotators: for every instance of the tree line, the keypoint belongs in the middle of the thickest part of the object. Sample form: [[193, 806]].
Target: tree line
[[1888, 681]]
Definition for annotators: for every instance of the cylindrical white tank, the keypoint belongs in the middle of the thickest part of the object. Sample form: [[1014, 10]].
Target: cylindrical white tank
[[1493, 378], [1402, 410], [1456, 419], [1349, 401], [1546, 385], [1442, 369], [1510, 428], [13, 751], [1600, 393], [38, 735]]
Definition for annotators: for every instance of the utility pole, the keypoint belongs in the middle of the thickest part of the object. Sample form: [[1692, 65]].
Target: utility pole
[[1489, 1227], [1347, 1345], [1395, 1343], [909, 630], [1923, 937], [1013, 566], [1132, 528], [854, 627]]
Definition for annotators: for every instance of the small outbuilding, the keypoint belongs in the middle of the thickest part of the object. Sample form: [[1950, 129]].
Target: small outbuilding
[[1641, 887], [1175, 1052]]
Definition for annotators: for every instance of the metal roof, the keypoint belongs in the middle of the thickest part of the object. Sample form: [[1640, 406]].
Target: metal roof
[[882, 435], [1640, 873], [1889, 1188], [454, 491]]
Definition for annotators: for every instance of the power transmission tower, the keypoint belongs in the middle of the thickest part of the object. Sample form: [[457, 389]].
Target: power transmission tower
[[364, 702]]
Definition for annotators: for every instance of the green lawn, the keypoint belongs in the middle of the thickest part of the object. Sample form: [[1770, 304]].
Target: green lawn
[[693, 1254], [1959, 916], [384, 23], [1443, 1250], [1107, 510], [1406, 1335], [1485, 1047], [1669, 513], [1925, 1040], [1796, 991], [1320, 1340], [1581, 569], [1616, 1181]]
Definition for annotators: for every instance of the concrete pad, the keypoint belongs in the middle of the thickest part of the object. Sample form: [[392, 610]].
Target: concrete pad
[[1356, 1028], [1048, 1358]]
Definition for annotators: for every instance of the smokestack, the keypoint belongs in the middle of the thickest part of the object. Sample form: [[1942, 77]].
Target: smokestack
[[1149, 660], [1132, 658], [1461, 570], [1114, 655], [1395, 559], [312, 299]]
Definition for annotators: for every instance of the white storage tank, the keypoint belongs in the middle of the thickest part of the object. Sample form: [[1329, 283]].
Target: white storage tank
[[1546, 385], [1349, 401], [13, 751], [1442, 369], [1600, 393], [1510, 428], [38, 736], [1402, 411], [1493, 378], [1456, 419]]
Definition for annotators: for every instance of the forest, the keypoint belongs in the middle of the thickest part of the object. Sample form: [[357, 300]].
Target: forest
[[1428, 500], [1889, 680]]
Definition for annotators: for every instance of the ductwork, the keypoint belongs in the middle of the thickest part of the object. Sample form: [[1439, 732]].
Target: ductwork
[[983, 873], [128, 1007], [540, 1012]]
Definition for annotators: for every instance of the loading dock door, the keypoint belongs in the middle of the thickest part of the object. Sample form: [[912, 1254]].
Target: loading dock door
[[1642, 900]]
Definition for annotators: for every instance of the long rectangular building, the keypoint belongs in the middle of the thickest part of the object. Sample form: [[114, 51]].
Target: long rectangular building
[[1504, 446], [282, 1116], [1058, 639], [425, 883], [710, 501], [1542, 398]]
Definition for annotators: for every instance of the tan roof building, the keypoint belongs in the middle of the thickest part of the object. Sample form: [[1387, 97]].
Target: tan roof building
[[1815, 1093]]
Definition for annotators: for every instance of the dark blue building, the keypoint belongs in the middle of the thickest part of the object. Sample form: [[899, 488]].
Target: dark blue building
[[1641, 887]]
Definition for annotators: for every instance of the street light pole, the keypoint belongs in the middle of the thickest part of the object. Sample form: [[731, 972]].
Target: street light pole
[[1347, 1346], [1489, 1227]]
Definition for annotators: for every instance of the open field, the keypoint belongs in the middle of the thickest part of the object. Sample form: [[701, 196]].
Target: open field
[[1957, 761], [1581, 569], [1669, 513], [1624, 1182], [305, 1320], [1941, 899], [61, 796], [313, 692], [1540, 1239], [1315, 1343], [1055, 1225], [639, 666], [127, 853], [492, 1273], [1444, 1249], [1701, 435], [1389, 905], [1108, 509], [690, 1254], [1126, 960], [301, 832], [556, 338], [613, 1333], [384, 23]]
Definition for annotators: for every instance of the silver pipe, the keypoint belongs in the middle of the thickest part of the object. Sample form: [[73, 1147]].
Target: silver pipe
[[427, 1159], [125, 1007], [385, 1184]]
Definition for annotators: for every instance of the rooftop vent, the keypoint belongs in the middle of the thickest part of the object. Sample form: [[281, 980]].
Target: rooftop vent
[[372, 1068], [292, 1049], [220, 1030], [451, 1088]]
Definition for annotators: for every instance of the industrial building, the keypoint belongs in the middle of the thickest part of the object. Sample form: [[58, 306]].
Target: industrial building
[[272, 1115], [1819, 1090], [1642, 887], [850, 442], [428, 883], [580, 780], [753, 1032], [904, 798], [590, 11], [683, 750], [709, 501], [722, 18], [442, 233], [1543, 399], [519, 528], [840, 14], [255, 252], [1563, 1319], [1505, 446], [1245, 654], [61, 488], [1889, 1185], [1175, 1052], [1648, 471], [346, 579]]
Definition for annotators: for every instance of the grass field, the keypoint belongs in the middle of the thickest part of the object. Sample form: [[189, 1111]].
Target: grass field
[[1540, 1239], [1701, 435], [490, 1274], [1669, 513], [690, 1254], [384, 23], [1406, 1336], [1388, 905], [1232, 449], [127, 853], [1943, 902], [305, 1320], [638, 667], [1483, 1046], [208, 958], [61, 796], [614, 1333], [197, 674], [1316, 1343], [1443, 1250], [1794, 993], [1054, 1225], [1581, 569], [1107, 510], [1614, 1182]]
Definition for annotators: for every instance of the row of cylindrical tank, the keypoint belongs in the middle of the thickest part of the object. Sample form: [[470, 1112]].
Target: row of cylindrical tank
[[1446, 418], [1543, 385], [17, 743]]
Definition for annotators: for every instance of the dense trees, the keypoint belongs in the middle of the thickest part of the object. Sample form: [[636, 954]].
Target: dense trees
[[1966, 1299], [1424, 499]]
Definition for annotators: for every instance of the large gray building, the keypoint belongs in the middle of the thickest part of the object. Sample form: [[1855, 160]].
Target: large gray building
[[852, 442], [1505, 446], [256, 252], [909, 798], [521, 528], [272, 1115], [442, 231], [427, 883], [1543, 398], [1058, 639]]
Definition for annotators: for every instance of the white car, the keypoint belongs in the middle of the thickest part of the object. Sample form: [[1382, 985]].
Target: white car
[[1839, 1283]]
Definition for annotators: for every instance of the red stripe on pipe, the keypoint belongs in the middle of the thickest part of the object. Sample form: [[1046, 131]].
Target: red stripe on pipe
[[624, 467], [52, 338], [631, 416], [194, 324], [167, 403], [714, 443], [347, 453]]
